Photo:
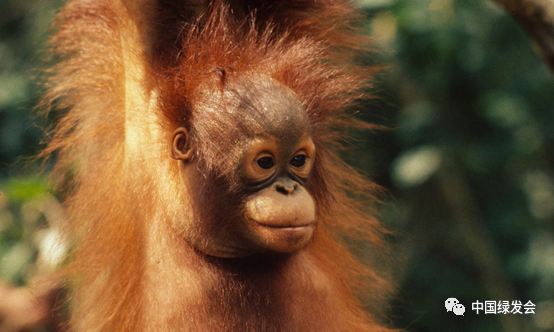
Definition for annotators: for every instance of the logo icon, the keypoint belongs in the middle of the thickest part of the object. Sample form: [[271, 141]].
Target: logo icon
[[452, 304], [459, 309]]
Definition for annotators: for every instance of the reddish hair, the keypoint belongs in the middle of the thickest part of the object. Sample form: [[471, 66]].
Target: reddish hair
[[306, 45]]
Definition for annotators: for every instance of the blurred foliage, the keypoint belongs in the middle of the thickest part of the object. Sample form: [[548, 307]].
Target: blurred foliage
[[21, 220], [469, 162], [23, 30], [28, 210]]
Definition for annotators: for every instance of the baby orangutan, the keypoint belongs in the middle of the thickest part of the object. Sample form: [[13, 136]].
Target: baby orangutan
[[196, 155]]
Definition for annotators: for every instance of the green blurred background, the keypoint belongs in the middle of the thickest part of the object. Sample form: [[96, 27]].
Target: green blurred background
[[469, 164]]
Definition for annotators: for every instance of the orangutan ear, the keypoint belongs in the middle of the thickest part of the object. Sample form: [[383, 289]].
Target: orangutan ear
[[180, 145]]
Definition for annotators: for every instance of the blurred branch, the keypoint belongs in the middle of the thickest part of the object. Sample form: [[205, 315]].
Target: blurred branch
[[537, 17], [478, 240]]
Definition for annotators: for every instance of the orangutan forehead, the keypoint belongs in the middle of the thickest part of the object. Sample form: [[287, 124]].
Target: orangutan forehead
[[255, 106], [267, 106]]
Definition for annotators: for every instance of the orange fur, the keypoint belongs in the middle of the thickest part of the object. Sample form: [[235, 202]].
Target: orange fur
[[127, 76]]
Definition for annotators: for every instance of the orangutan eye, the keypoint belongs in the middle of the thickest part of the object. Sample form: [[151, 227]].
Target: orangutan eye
[[298, 161], [266, 162]]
